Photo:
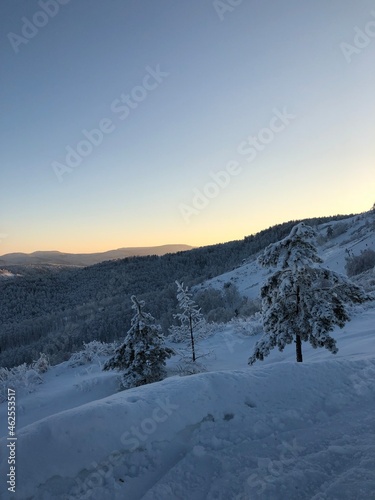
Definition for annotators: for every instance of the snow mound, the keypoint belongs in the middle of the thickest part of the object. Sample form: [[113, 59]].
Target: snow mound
[[287, 430]]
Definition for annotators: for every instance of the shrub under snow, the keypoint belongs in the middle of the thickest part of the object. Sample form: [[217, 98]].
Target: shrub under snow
[[41, 365], [92, 352], [22, 378]]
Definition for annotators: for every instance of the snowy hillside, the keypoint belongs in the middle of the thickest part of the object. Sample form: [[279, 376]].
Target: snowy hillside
[[55, 308], [356, 234], [278, 430], [4, 273]]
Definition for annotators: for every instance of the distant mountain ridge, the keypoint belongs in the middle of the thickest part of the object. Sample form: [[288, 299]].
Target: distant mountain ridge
[[54, 309], [55, 258]]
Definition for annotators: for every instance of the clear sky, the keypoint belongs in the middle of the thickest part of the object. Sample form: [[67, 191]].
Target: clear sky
[[181, 90]]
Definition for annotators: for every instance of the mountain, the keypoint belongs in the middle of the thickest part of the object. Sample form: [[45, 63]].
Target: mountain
[[55, 258], [275, 430], [346, 237], [55, 309]]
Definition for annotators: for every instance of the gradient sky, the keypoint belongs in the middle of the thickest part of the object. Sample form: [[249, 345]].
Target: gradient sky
[[227, 72]]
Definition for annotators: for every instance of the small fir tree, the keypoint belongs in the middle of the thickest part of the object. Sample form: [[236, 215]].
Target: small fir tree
[[191, 318], [142, 356], [302, 301], [41, 365]]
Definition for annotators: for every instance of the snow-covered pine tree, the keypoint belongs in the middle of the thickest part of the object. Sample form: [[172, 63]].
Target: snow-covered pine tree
[[41, 365], [143, 354], [302, 301], [190, 318]]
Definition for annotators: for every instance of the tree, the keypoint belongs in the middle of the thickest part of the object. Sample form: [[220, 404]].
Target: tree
[[41, 365], [356, 264], [143, 354], [190, 318], [302, 301], [329, 233]]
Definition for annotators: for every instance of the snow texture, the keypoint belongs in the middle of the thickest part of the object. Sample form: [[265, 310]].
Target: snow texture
[[278, 430]]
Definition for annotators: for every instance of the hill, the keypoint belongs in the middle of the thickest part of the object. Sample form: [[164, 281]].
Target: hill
[[55, 258], [346, 237], [55, 310], [276, 430]]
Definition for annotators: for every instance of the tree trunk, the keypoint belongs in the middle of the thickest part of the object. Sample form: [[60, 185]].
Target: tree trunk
[[298, 338], [298, 349], [192, 336]]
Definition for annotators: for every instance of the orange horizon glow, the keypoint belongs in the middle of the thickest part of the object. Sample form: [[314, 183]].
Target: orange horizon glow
[[194, 235]]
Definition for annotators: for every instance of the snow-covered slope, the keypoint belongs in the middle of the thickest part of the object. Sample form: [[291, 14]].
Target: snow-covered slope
[[277, 430], [5, 274], [358, 233]]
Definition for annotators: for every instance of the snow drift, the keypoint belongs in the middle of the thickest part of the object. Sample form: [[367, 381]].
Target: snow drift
[[280, 431]]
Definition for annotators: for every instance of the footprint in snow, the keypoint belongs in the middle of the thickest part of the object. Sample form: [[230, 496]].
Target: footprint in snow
[[132, 399], [250, 404]]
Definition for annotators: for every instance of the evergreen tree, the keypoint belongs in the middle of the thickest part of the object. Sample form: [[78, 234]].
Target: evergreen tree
[[143, 354], [329, 233], [191, 318], [356, 264], [301, 301]]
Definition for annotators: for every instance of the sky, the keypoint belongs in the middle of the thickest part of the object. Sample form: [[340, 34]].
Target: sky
[[149, 122]]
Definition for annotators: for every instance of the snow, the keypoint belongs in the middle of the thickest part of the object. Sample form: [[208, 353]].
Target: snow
[[358, 236], [4, 273], [278, 430]]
